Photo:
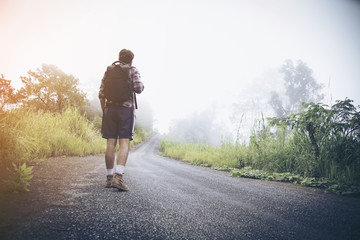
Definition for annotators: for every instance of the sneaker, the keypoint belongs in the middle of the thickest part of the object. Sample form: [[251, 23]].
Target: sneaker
[[118, 182], [109, 179]]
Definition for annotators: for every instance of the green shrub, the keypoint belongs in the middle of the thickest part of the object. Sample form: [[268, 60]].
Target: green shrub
[[326, 140], [20, 176]]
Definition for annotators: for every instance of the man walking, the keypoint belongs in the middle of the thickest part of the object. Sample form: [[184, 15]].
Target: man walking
[[117, 98]]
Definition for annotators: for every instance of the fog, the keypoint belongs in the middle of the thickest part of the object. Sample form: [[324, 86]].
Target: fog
[[206, 65]]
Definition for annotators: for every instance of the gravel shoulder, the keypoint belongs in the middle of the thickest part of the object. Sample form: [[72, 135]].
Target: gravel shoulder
[[55, 180]]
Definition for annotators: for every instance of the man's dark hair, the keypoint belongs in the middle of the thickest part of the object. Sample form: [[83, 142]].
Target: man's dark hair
[[126, 56]]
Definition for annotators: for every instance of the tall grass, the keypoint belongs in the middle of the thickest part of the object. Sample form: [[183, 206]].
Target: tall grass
[[205, 154], [28, 135]]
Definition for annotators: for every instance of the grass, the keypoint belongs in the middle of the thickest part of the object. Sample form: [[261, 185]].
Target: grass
[[202, 153], [28, 136]]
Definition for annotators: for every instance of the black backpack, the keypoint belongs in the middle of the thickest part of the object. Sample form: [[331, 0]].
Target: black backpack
[[117, 83]]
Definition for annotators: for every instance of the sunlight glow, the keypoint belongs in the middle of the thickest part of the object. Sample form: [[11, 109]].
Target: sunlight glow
[[191, 54]]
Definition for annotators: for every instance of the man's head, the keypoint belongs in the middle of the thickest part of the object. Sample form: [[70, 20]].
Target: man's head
[[126, 56]]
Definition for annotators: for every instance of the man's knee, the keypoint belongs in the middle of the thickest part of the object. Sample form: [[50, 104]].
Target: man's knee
[[111, 143], [124, 143]]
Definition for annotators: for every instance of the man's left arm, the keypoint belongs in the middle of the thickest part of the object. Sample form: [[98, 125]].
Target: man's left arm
[[102, 94]]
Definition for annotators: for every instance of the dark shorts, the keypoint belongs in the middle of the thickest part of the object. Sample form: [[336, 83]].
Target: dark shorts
[[118, 122]]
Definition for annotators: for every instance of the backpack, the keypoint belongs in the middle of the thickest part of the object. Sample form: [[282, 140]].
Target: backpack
[[117, 83]]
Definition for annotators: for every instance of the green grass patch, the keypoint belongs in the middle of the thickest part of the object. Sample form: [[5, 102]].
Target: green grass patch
[[201, 153]]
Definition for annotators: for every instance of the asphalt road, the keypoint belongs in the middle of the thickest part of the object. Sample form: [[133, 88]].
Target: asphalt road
[[169, 199]]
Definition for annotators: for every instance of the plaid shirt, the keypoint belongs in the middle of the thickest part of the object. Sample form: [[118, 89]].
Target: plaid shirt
[[137, 84]]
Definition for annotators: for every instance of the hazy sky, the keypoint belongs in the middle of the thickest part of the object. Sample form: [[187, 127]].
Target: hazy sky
[[191, 54]]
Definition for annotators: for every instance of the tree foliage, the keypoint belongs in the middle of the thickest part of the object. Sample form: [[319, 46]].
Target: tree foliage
[[7, 93], [51, 89], [300, 87]]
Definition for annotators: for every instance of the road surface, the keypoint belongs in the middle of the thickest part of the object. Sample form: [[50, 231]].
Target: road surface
[[169, 199]]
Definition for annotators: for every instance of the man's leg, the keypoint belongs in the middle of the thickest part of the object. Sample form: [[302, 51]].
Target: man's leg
[[109, 160], [110, 153], [124, 145]]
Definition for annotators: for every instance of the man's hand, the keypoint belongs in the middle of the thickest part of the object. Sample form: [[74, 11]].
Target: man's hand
[[102, 103]]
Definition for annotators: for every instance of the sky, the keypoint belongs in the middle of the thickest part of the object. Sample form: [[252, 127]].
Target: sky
[[192, 55]]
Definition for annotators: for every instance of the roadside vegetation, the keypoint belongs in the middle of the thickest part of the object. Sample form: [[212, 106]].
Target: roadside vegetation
[[29, 135], [48, 117], [318, 147]]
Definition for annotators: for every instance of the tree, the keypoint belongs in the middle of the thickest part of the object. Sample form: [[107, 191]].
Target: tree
[[50, 89], [7, 93], [300, 87]]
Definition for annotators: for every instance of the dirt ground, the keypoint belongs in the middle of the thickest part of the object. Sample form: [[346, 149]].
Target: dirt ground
[[49, 186]]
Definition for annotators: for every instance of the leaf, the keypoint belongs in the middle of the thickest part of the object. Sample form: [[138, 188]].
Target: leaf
[[23, 167], [28, 170]]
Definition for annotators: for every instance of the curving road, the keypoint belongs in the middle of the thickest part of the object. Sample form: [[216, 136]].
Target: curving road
[[169, 199]]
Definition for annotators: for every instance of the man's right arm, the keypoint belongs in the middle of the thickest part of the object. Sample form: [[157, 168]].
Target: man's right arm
[[138, 85]]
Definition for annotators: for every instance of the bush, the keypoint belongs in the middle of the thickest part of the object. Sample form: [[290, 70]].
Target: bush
[[326, 140]]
